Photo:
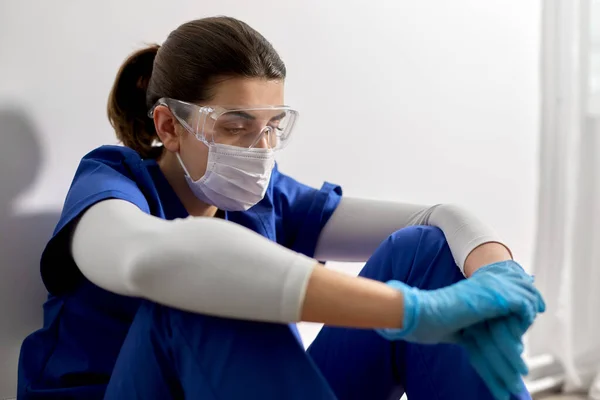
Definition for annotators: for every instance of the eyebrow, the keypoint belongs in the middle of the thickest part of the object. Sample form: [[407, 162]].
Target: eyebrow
[[278, 117], [251, 117]]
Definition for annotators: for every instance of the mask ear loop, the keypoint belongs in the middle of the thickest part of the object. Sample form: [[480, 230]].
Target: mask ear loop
[[188, 129], [183, 165]]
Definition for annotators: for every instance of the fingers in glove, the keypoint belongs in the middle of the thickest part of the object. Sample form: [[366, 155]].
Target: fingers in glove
[[539, 299], [504, 300], [513, 272], [515, 327], [482, 367], [521, 301], [508, 375], [541, 302], [509, 344]]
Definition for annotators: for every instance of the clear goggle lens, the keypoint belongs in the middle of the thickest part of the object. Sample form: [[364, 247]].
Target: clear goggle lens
[[248, 127]]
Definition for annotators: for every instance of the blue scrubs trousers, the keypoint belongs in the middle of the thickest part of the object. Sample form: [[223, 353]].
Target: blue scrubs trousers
[[172, 354]]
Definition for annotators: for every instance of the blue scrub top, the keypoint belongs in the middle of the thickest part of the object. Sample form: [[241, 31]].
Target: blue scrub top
[[84, 325]]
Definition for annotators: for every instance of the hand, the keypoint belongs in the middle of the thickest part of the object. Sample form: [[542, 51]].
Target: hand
[[495, 346], [438, 316], [508, 271]]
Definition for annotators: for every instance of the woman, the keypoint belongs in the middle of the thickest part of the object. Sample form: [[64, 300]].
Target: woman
[[183, 259]]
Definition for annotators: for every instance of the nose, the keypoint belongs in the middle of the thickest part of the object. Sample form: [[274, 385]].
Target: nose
[[263, 139], [263, 143]]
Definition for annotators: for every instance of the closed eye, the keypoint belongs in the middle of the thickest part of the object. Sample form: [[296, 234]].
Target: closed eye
[[235, 131]]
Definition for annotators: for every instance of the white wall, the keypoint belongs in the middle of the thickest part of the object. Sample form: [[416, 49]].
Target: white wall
[[422, 101]]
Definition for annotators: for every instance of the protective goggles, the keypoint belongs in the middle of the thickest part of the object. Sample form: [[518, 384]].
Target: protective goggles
[[254, 127]]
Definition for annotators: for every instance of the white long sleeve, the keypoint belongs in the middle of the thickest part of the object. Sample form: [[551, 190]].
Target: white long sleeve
[[358, 226], [203, 265], [216, 267]]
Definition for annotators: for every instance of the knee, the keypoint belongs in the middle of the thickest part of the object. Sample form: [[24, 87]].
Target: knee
[[419, 239], [422, 256], [432, 233]]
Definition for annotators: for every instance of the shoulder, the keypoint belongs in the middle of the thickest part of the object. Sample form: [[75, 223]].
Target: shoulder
[[302, 210], [290, 190], [107, 168], [111, 166], [105, 172], [117, 157]]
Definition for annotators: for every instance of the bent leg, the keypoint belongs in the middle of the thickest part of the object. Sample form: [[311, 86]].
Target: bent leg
[[360, 364], [172, 354]]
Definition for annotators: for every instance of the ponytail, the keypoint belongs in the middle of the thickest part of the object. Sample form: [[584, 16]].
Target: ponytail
[[127, 107]]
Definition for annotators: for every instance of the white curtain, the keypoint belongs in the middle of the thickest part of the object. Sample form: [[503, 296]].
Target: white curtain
[[567, 259]]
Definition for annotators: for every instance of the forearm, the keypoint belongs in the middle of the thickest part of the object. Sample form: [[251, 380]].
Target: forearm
[[339, 299], [216, 267]]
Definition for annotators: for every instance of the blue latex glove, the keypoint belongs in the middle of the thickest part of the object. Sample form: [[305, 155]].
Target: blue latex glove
[[495, 353], [439, 316], [495, 346], [512, 270]]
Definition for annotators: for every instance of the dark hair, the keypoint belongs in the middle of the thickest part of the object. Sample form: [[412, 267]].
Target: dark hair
[[186, 67]]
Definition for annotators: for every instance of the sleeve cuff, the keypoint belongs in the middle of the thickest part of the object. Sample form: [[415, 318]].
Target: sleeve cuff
[[294, 287]]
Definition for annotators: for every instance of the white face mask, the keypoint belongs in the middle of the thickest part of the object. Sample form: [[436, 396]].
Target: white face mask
[[235, 179]]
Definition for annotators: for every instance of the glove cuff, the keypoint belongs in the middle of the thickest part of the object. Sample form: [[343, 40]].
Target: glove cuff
[[411, 312], [506, 265]]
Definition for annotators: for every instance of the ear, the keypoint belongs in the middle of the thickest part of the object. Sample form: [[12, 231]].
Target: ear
[[166, 128]]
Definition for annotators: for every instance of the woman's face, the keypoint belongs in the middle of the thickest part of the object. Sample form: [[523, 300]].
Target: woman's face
[[238, 92]]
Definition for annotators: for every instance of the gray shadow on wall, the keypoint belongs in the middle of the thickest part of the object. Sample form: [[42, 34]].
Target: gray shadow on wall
[[22, 240]]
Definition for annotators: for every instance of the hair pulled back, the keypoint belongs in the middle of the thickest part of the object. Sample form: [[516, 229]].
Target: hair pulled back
[[185, 67]]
